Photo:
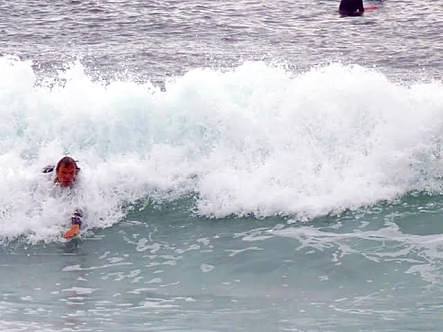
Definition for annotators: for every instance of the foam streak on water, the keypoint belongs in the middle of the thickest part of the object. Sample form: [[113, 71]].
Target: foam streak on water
[[245, 166]]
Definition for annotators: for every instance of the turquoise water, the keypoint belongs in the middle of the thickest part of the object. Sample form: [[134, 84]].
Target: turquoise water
[[163, 269], [245, 166]]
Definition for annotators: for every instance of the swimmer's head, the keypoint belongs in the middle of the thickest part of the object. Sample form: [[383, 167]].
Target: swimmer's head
[[66, 172]]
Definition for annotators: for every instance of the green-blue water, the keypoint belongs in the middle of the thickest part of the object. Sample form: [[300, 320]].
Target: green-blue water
[[377, 269], [245, 166]]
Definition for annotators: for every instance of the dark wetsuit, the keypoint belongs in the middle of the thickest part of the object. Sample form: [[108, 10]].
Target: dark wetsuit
[[351, 7]]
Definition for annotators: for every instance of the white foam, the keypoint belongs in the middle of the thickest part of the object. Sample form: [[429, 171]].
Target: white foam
[[421, 252], [254, 140]]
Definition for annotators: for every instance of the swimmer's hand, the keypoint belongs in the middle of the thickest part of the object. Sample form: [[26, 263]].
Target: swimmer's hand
[[74, 231]]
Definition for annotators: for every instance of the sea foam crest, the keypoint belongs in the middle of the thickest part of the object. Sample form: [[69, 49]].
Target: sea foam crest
[[253, 140]]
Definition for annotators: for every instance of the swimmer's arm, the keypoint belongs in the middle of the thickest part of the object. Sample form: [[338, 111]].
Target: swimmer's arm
[[76, 223], [48, 169]]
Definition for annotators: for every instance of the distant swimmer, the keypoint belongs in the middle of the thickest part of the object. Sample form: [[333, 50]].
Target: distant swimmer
[[66, 172], [351, 8]]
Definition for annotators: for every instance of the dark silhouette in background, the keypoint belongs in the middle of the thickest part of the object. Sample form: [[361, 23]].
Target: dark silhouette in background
[[351, 8]]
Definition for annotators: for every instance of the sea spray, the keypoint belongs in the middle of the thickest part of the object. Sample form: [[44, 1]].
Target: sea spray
[[254, 140]]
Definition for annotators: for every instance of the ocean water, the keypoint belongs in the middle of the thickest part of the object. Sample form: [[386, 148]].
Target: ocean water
[[245, 166]]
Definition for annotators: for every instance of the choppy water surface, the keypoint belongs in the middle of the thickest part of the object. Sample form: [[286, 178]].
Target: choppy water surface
[[154, 39], [246, 166], [365, 271]]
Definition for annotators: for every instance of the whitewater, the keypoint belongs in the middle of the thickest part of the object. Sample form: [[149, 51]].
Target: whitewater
[[256, 140], [245, 166]]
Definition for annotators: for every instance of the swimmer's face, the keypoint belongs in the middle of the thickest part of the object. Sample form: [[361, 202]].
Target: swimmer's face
[[66, 175]]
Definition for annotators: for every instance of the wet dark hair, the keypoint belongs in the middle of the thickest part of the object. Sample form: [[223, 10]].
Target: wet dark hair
[[66, 161]]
